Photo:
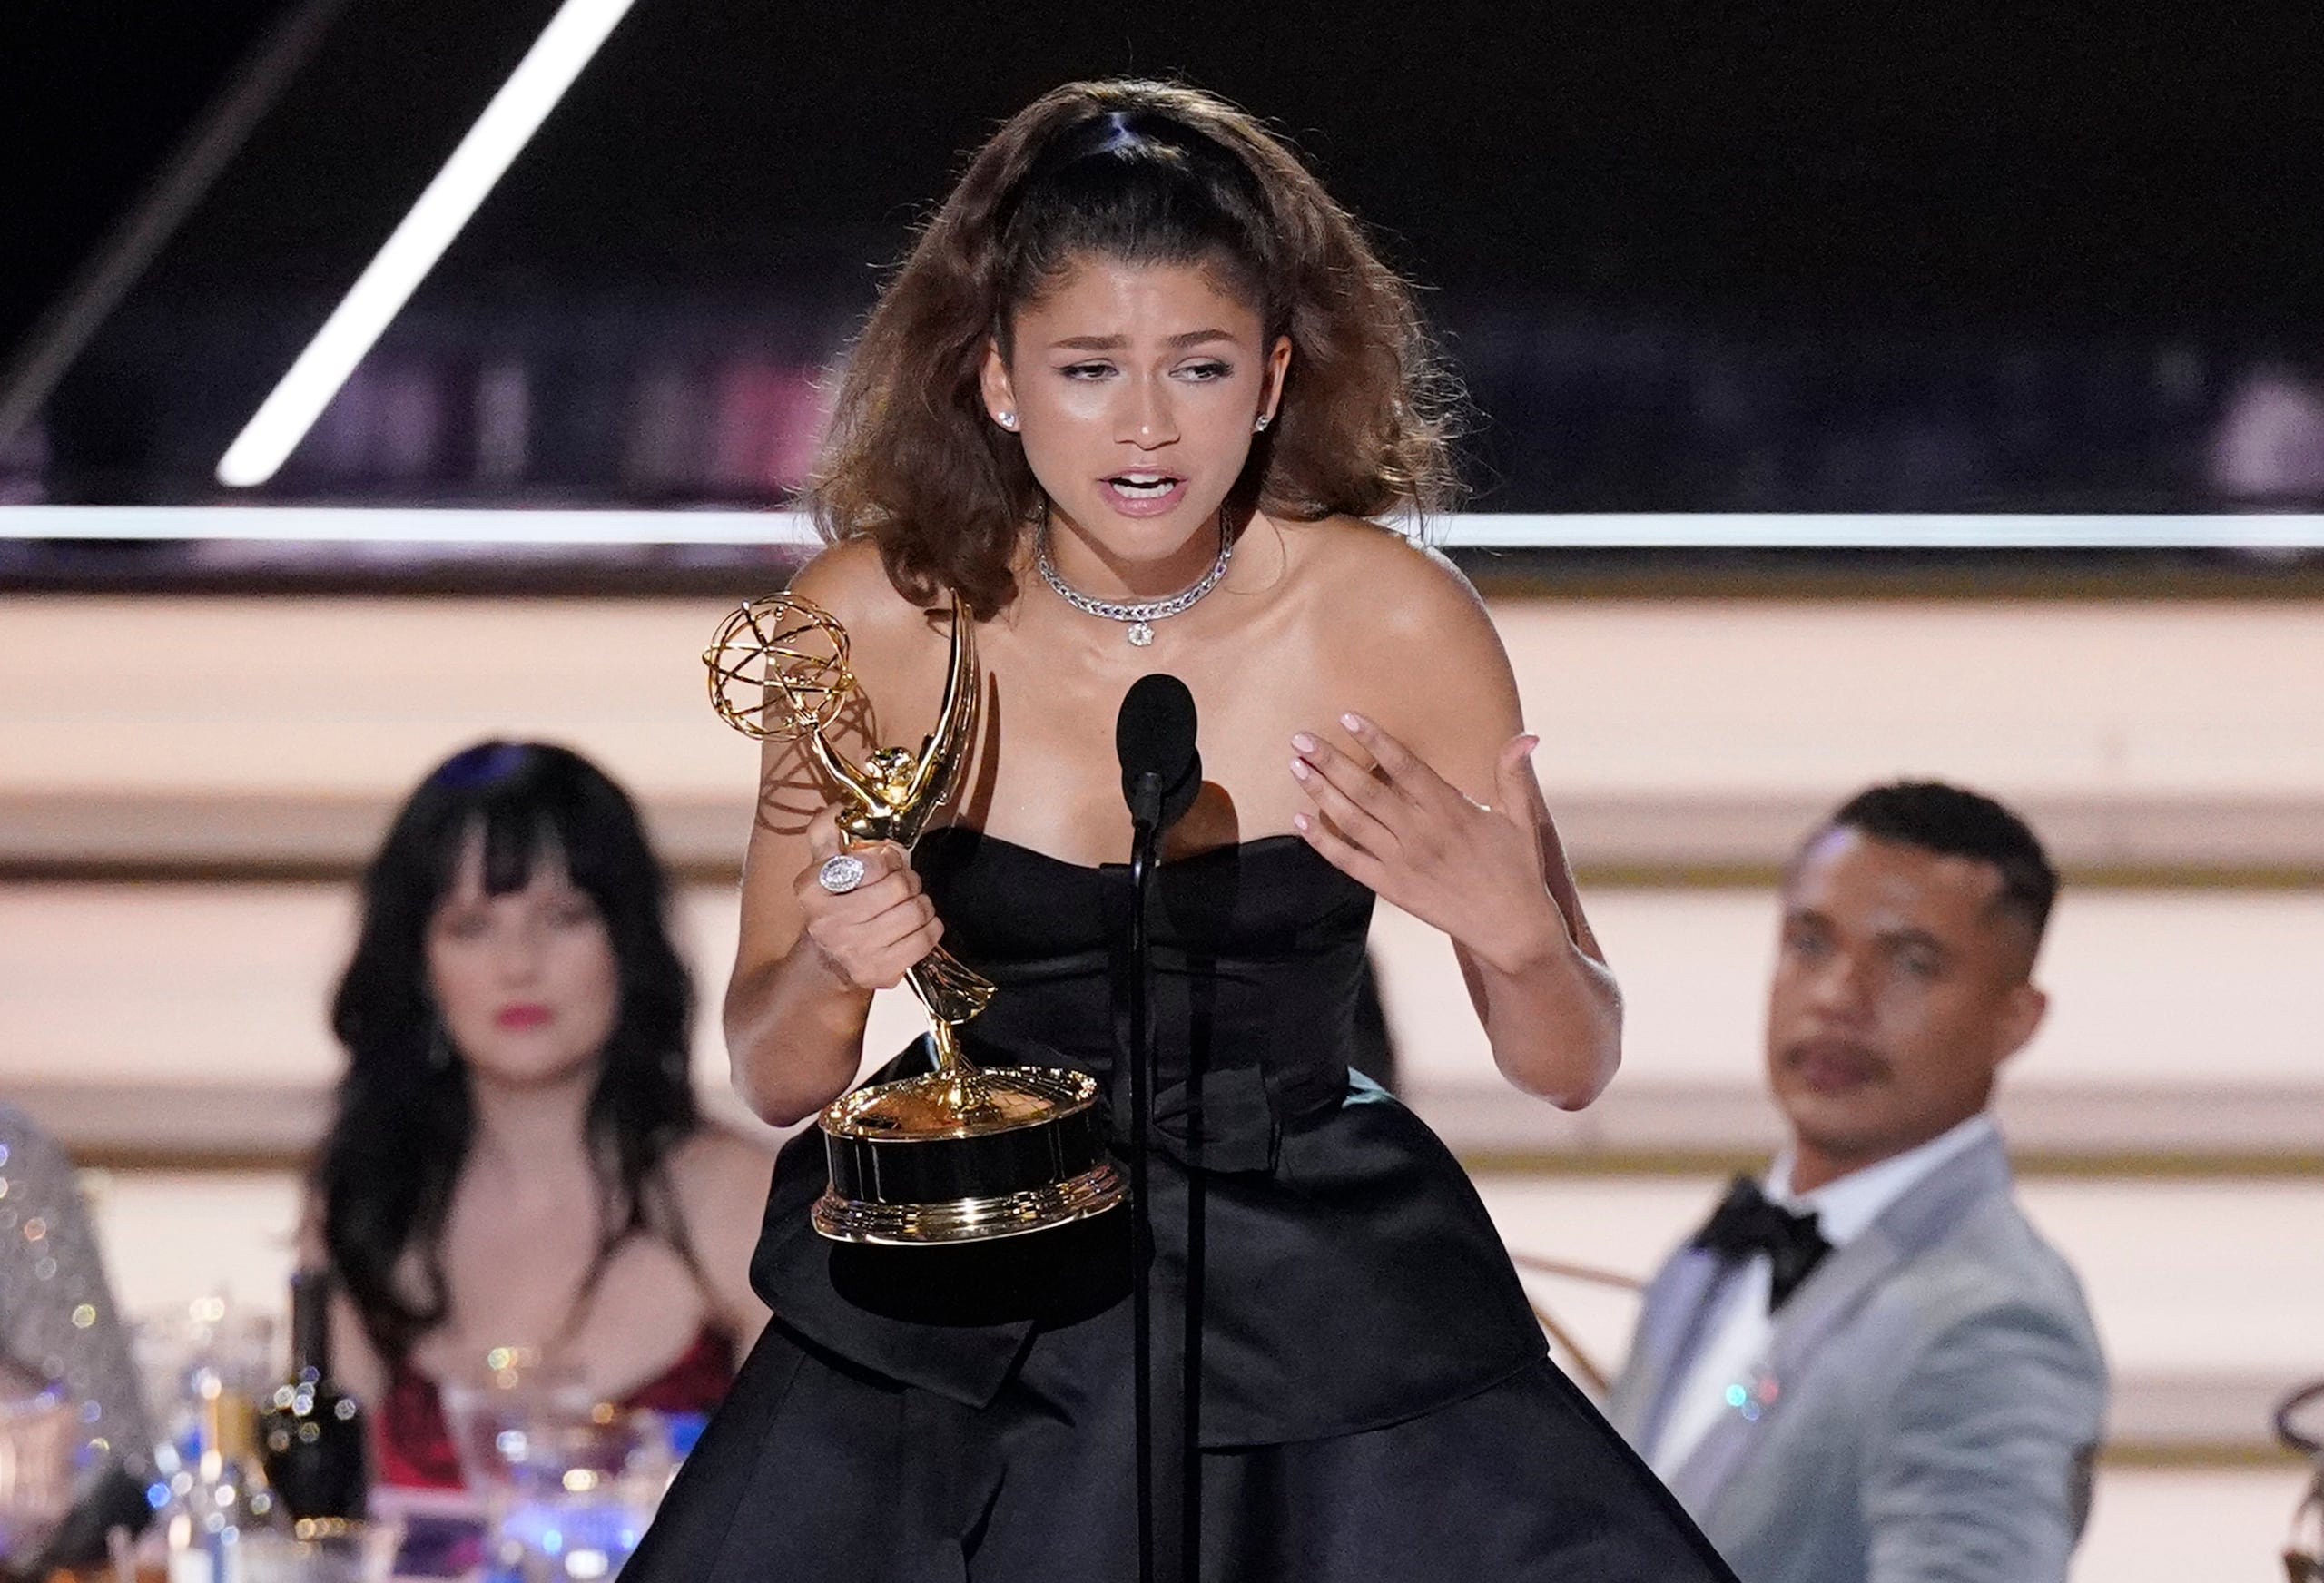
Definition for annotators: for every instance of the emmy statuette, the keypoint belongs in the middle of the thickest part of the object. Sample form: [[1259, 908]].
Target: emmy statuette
[[962, 1153]]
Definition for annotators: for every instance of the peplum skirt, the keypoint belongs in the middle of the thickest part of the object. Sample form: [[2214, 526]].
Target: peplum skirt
[[1349, 1388], [817, 1468]]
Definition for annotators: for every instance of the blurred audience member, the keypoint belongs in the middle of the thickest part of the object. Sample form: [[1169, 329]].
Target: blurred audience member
[[517, 1160], [1868, 1366], [61, 1336]]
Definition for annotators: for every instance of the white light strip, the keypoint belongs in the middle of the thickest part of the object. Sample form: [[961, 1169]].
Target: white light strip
[[549, 529], [1877, 531], [408, 526], [387, 284]]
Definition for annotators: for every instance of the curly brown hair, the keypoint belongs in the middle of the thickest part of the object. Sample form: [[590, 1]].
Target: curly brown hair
[[1148, 172]]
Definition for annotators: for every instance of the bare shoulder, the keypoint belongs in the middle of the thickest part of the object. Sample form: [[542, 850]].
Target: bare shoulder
[[1402, 637], [721, 1181], [717, 1171], [1381, 585], [849, 579]]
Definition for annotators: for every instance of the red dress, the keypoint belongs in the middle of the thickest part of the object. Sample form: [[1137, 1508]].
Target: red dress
[[412, 1440]]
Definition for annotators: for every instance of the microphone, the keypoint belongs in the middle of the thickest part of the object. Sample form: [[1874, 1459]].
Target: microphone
[[1154, 737]]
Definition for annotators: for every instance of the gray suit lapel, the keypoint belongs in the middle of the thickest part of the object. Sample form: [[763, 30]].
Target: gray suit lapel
[[1830, 1297], [1673, 1323]]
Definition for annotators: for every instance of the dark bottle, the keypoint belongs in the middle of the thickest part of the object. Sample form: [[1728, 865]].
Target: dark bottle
[[310, 1434]]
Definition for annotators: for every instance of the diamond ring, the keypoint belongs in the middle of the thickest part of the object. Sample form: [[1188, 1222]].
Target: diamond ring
[[840, 873]]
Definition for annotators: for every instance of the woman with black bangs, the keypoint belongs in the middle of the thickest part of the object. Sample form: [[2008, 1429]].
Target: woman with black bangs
[[517, 1160], [1133, 399]]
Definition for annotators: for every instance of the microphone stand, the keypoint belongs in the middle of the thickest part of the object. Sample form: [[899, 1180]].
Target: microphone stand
[[1155, 738], [1145, 838]]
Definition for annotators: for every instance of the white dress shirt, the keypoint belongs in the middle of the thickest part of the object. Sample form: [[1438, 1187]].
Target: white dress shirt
[[1732, 1353]]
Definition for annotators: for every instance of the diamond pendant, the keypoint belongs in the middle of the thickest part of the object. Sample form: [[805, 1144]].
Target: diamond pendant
[[1140, 634]]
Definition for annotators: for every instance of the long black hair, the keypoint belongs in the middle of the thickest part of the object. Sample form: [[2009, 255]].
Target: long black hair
[[404, 1121]]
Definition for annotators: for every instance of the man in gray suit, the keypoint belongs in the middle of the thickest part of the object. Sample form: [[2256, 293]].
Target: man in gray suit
[[1868, 1366]]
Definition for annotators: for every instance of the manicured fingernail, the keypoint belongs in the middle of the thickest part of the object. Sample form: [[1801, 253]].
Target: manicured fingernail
[[1303, 741], [1299, 822], [1299, 768], [1353, 721]]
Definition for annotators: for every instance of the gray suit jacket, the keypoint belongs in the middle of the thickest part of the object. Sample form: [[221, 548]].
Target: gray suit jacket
[[1938, 1394]]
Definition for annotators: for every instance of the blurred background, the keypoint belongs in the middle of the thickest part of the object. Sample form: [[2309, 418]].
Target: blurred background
[[1894, 264]]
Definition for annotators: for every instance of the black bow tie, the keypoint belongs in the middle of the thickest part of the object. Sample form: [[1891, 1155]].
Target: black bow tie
[[1746, 1222]]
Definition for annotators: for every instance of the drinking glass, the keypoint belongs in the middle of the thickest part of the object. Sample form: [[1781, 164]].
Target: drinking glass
[[568, 1482]]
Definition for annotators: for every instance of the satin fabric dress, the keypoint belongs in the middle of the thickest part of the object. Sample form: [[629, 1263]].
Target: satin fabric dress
[[1349, 1383]]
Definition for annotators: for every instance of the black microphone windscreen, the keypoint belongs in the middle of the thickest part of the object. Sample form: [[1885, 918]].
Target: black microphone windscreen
[[1154, 735]]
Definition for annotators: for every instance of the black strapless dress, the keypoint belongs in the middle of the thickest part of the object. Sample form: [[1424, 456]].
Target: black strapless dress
[[1350, 1383]]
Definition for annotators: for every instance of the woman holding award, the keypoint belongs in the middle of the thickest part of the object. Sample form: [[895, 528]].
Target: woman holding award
[[1126, 407]]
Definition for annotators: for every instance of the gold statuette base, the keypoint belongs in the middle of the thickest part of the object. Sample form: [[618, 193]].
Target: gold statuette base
[[965, 1153], [966, 1102], [968, 1220]]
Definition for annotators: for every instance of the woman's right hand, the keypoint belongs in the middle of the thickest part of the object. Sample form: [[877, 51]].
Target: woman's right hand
[[874, 934]]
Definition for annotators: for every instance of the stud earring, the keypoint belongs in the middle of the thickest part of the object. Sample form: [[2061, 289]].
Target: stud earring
[[1261, 426], [1007, 420]]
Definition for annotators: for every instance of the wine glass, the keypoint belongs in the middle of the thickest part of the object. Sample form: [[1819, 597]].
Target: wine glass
[[568, 1482]]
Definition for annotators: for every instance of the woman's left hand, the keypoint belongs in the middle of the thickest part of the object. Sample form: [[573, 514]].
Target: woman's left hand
[[1418, 841]]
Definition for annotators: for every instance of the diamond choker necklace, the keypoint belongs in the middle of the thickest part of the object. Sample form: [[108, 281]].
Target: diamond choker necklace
[[1140, 616]]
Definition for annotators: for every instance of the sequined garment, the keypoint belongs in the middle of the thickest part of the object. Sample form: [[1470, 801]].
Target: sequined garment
[[57, 1319]]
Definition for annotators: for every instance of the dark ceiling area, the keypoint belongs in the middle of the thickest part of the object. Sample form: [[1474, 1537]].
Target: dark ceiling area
[[1884, 173], [92, 98], [1903, 155]]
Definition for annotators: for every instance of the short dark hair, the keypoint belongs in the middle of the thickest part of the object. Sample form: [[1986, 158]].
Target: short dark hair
[[1938, 817]]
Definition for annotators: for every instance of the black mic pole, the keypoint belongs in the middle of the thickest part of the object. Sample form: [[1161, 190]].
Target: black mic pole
[[1161, 776], [1146, 833]]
